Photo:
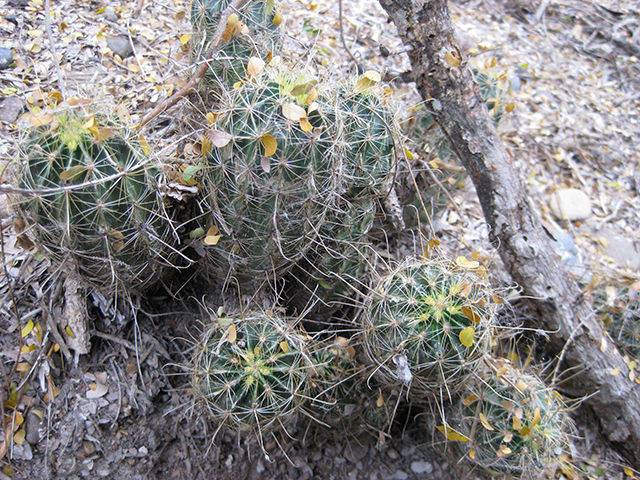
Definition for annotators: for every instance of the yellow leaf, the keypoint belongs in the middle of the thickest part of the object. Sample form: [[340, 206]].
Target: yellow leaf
[[212, 237], [19, 436], [185, 38], [472, 453], [520, 385], [69, 331], [471, 315], [256, 350], [277, 18], [508, 437], [462, 262], [23, 367], [134, 67], [615, 371], [485, 422], [72, 173], [536, 418], [211, 117], [305, 125], [408, 153], [284, 345], [255, 66], [270, 145], [26, 330], [363, 84], [524, 431], [35, 33], [293, 112], [312, 97], [372, 75], [451, 59], [144, 145], [451, 434], [380, 401], [469, 400], [510, 106], [517, 424], [628, 472], [205, 148], [231, 333], [503, 451], [466, 336], [27, 349], [41, 120]]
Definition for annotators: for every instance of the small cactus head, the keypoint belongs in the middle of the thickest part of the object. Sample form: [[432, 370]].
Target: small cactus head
[[92, 197], [511, 422], [427, 324], [619, 308], [250, 372]]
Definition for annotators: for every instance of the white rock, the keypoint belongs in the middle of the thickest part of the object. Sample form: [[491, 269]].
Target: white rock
[[421, 467], [570, 204]]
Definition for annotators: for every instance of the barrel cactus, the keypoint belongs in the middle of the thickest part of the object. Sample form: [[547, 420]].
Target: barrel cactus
[[91, 196], [250, 372], [618, 305], [269, 189], [252, 32], [427, 324], [509, 421]]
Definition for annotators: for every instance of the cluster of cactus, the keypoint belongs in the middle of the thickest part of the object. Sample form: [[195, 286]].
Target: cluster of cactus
[[91, 195], [508, 421]]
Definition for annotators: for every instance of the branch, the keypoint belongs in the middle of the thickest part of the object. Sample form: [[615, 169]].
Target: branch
[[214, 46], [576, 336]]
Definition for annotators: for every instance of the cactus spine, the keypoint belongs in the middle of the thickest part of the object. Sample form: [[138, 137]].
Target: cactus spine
[[94, 199]]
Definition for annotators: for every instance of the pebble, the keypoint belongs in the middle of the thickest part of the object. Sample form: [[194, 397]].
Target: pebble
[[6, 57], [407, 451], [570, 204], [120, 46], [620, 249], [34, 427], [421, 467], [11, 109], [355, 452], [393, 454], [400, 475], [567, 250], [110, 14]]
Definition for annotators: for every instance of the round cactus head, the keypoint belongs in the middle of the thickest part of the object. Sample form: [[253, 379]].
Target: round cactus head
[[427, 324], [511, 422], [250, 373], [93, 199]]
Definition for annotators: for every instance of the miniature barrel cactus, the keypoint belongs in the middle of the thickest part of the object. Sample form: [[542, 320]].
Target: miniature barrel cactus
[[250, 373], [511, 422], [269, 189], [251, 33], [619, 308], [92, 198], [427, 324]]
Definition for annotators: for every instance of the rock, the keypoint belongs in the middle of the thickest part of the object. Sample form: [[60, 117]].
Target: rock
[[110, 14], [6, 57], [621, 249], [421, 467], [11, 109], [570, 204], [120, 46], [400, 475], [393, 454], [34, 426], [355, 452], [567, 250]]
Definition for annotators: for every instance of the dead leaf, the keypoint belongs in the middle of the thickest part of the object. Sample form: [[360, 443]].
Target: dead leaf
[[219, 138], [255, 66], [293, 112], [270, 145]]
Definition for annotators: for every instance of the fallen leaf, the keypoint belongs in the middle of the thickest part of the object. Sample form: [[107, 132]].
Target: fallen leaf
[[255, 66], [471, 315], [485, 422], [185, 38], [466, 336], [451, 59], [212, 237], [277, 18], [451, 434], [231, 333], [265, 163], [26, 330], [284, 345], [380, 401], [293, 112], [219, 138], [270, 145], [41, 120], [462, 262]]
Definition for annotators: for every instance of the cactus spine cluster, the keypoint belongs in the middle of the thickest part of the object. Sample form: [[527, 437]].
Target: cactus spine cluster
[[509, 421], [94, 200], [428, 325], [251, 372]]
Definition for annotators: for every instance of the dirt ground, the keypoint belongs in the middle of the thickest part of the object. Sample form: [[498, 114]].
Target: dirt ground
[[123, 410]]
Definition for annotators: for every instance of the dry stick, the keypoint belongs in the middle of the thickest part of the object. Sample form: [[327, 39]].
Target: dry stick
[[52, 46], [214, 45], [516, 228]]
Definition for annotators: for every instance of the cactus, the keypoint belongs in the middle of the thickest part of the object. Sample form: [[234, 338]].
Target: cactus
[[510, 422], [250, 373], [93, 198], [336, 267], [268, 206], [427, 324], [253, 36]]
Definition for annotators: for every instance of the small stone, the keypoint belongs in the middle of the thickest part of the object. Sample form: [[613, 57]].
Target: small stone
[[400, 475], [110, 14], [34, 426], [621, 249], [355, 452], [6, 57], [393, 454], [407, 451], [421, 467], [120, 46], [570, 204], [11, 109]]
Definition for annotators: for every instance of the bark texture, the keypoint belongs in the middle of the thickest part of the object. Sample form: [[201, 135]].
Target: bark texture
[[575, 335]]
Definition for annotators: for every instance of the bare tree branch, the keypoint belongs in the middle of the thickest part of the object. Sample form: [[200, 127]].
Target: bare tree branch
[[575, 335]]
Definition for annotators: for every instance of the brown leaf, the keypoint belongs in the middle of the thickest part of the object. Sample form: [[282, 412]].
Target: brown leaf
[[218, 137]]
